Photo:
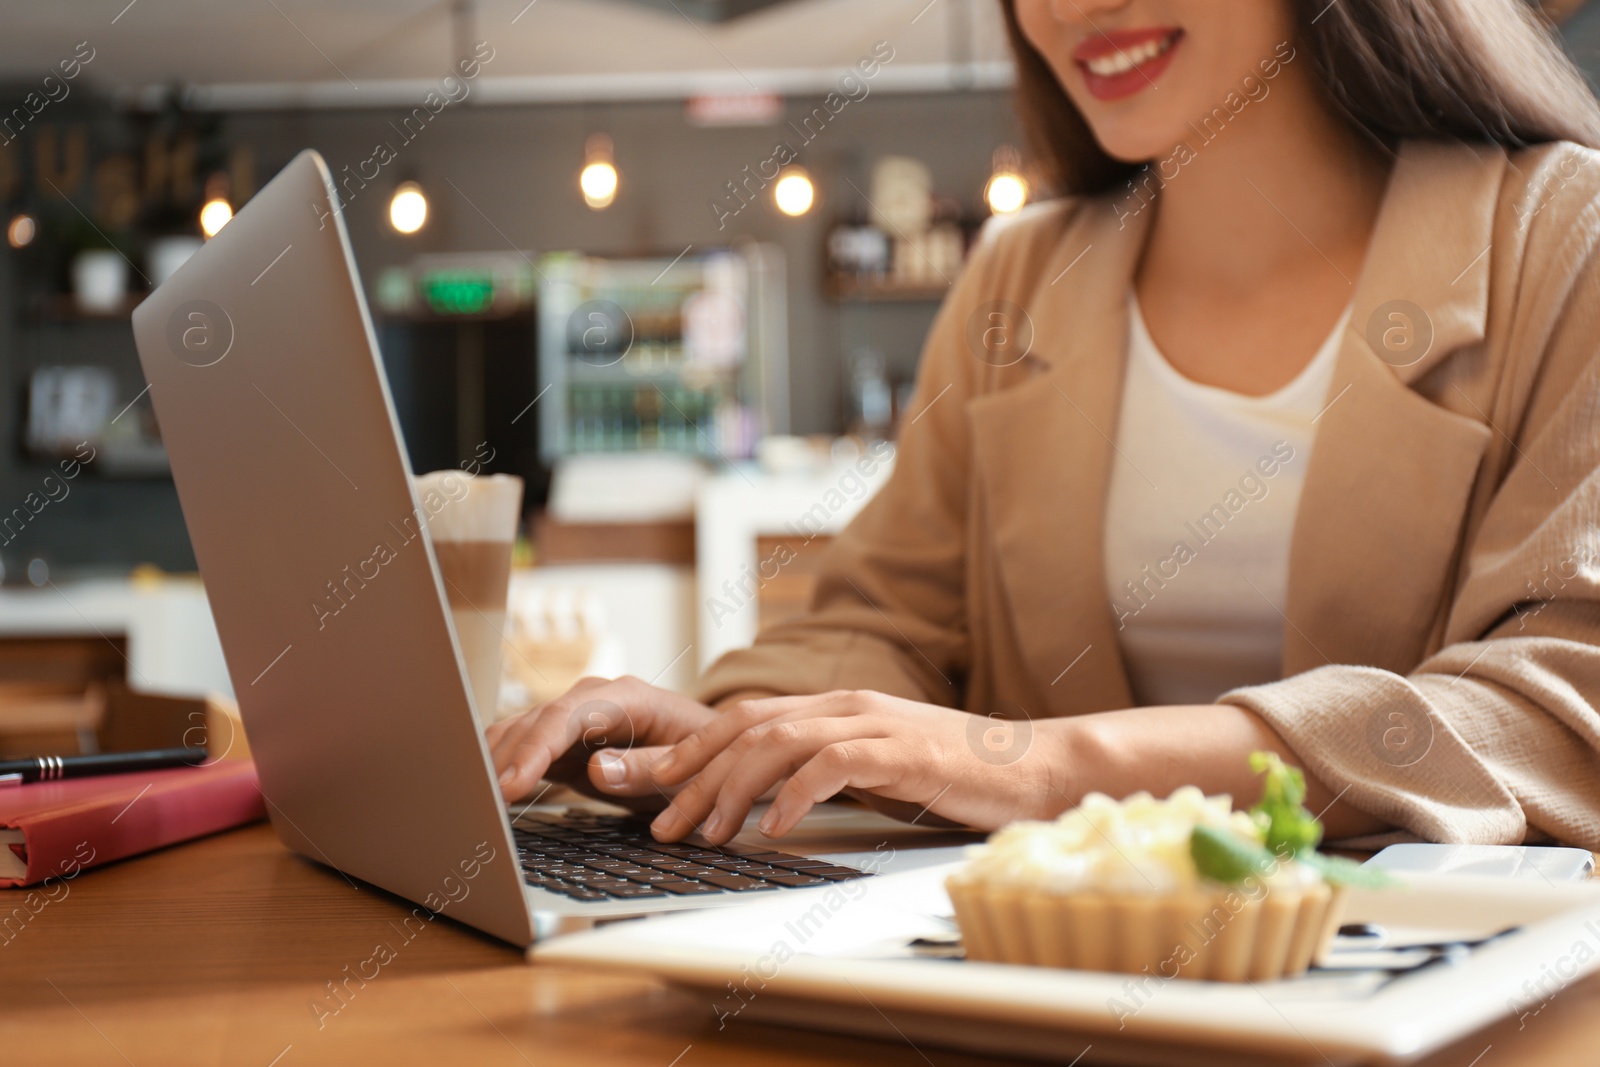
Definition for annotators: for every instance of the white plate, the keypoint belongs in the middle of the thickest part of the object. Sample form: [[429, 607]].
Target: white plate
[[838, 958]]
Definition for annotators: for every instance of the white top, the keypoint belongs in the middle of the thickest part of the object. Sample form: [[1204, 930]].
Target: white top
[[1204, 487]]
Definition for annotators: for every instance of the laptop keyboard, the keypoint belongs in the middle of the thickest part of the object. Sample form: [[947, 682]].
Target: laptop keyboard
[[588, 856]]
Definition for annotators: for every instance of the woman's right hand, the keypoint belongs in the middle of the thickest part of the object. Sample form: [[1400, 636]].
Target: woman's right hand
[[599, 737]]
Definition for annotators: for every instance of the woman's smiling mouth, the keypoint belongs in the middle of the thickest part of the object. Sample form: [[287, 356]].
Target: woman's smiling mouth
[[1121, 62]]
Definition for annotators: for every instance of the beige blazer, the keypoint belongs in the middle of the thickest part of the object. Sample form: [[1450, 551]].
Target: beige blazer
[[1440, 659]]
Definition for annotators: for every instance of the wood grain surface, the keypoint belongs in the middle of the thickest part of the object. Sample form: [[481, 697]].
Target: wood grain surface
[[231, 951]]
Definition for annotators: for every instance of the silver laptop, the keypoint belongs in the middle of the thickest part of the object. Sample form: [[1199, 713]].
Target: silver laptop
[[265, 376]]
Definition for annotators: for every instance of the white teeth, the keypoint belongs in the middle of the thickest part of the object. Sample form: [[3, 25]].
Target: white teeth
[[1128, 58]]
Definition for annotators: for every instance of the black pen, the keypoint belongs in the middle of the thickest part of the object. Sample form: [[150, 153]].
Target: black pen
[[53, 768]]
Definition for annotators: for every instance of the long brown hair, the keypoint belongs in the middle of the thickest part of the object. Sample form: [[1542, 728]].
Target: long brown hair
[[1395, 69]]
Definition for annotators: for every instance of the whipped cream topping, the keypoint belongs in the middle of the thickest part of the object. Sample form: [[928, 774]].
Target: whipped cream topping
[[1136, 845]]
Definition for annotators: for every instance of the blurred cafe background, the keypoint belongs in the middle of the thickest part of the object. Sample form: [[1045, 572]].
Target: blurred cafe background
[[670, 261]]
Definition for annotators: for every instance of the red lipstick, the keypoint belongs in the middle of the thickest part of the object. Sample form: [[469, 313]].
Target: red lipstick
[[1122, 62]]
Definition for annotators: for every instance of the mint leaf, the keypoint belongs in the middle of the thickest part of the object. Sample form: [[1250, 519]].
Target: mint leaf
[[1284, 785], [1223, 856], [1336, 870], [1289, 827], [1288, 830]]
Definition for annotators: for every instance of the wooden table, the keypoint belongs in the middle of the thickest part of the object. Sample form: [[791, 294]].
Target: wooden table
[[216, 953]]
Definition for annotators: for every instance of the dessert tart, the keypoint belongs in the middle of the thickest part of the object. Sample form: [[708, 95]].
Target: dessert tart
[[1181, 887]]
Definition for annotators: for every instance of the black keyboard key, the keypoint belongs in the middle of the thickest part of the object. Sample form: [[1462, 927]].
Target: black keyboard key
[[687, 889], [580, 894], [799, 863], [833, 872], [630, 892], [797, 880], [736, 882]]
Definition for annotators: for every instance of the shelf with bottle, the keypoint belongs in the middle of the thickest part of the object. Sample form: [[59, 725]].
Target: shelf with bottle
[[867, 262], [679, 353], [77, 415], [641, 417], [643, 359]]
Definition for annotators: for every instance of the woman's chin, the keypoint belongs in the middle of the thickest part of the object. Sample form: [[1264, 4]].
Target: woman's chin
[[1140, 142]]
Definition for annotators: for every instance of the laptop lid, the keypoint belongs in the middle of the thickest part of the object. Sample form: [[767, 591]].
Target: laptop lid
[[265, 377]]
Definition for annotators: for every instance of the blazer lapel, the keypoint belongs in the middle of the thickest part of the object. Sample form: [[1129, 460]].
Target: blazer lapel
[[1391, 473], [1044, 448]]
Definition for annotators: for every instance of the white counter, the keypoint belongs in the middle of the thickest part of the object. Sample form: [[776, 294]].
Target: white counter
[[736, 506], [172, 644]]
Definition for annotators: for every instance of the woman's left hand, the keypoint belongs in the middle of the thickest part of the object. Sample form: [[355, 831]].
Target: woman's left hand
[[898, 754]]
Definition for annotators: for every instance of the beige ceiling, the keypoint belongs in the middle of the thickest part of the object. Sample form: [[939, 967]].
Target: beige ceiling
[[270, 52]]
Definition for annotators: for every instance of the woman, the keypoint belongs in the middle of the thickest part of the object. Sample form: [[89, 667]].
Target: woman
[[1278, 432]]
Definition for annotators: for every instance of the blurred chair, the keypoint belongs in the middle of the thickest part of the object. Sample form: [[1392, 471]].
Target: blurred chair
[[67, 696], [53, 692]]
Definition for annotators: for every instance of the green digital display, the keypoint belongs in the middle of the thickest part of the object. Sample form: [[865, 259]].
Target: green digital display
[[458, 292]]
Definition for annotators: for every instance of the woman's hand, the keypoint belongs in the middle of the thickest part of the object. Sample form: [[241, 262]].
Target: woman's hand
[[902, 755], [599, 737]]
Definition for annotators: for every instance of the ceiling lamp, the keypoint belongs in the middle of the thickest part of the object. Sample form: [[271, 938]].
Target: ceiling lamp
[[216, 211], [598, 180], [408, 208], [1007, 189], [21, 232], [794, 194], [214, 216]]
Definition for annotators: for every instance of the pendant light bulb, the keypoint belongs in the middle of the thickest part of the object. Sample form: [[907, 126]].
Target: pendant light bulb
[[598, 180], [408, 208], [794, 193], [1007, 190]]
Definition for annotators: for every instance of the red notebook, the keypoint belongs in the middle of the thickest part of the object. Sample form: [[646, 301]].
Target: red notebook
[[56, 829]]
